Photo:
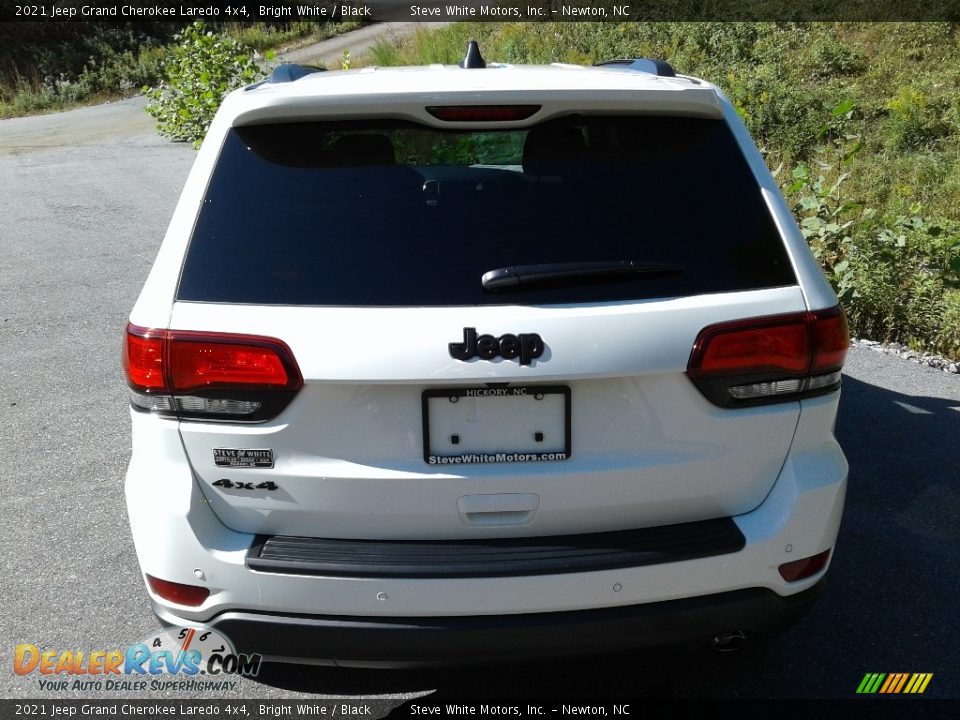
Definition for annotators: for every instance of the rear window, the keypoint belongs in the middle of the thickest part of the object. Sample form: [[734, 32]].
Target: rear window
[[394, 213]]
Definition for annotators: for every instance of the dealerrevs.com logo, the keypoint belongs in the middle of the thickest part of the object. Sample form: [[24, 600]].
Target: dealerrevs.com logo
[[169, 660]]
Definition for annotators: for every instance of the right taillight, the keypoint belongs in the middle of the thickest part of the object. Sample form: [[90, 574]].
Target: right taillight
[[770, 359], [209, 376]]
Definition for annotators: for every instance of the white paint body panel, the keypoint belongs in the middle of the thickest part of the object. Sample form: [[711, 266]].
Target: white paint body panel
[[648, 449], [175, 530]]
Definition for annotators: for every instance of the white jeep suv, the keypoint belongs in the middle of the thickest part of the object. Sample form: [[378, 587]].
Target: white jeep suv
[[455, 363]]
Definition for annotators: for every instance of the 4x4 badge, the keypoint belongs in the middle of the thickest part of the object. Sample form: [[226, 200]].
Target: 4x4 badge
[[526, 346]]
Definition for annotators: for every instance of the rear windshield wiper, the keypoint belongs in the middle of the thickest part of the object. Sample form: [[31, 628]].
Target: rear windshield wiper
[[546, 273]]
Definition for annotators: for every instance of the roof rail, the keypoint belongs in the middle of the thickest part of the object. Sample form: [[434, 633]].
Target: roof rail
[[291, 71], [285, 73], [647, 65]]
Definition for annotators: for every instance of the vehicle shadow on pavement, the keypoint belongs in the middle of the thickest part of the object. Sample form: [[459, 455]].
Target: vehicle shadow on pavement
[[586, 677], [888, 604]]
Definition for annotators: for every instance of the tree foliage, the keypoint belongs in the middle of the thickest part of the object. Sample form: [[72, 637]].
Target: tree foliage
[[198, 72]]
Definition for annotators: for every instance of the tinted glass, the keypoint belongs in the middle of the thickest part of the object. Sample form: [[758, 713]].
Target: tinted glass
[[393, 213]]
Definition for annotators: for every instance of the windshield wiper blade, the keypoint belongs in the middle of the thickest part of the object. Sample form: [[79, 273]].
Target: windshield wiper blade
[[516, 275]]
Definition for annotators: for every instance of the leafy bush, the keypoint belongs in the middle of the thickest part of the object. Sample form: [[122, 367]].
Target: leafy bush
[[828, 57], [915, 121], [198, 71], [898, 277], [46, 66], [52, 65], [776, 112], [384, 53], [947, 339], [820, 204]]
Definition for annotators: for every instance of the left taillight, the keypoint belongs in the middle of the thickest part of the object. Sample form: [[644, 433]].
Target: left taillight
[[209, 376], [770, 359]]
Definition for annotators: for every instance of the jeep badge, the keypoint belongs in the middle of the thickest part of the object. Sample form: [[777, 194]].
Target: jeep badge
[[526, 346]]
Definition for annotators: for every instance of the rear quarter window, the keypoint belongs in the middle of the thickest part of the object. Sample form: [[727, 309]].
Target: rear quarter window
[[391, 213]]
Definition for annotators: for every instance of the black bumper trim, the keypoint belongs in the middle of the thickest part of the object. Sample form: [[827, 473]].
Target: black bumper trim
[[498, 557], [417, 641]]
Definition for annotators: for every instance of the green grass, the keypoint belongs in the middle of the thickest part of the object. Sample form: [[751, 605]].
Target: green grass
[[896, 88], [903, 80]]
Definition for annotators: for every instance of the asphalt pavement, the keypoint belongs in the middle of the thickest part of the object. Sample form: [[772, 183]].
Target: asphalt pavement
[[82, 213]]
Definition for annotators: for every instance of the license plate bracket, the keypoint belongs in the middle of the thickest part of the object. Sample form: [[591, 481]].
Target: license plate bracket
[[483, 425]]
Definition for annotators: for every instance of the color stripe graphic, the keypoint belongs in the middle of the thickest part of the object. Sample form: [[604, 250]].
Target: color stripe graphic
[[894, 683]]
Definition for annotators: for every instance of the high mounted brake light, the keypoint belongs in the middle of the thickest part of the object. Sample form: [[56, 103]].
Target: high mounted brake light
[[770, 359], [482, 113], [214, 376]]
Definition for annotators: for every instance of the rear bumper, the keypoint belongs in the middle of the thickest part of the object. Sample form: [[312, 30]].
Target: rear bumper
[[494, 557], [422, 641], [376, 617]]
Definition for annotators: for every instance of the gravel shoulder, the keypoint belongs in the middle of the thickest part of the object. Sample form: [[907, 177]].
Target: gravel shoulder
[[330, 52]]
